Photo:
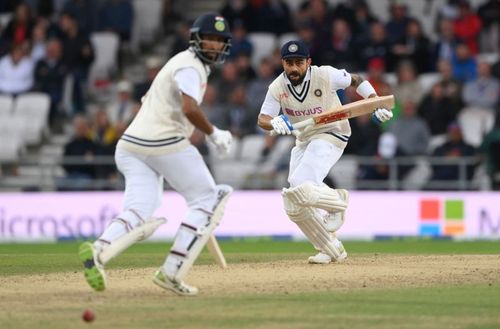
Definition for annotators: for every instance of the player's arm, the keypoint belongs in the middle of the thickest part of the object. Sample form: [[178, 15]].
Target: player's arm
[[363, 87], [195, 115], [269, 118]]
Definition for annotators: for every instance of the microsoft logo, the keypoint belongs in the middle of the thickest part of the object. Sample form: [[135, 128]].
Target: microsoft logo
[[441, 217]]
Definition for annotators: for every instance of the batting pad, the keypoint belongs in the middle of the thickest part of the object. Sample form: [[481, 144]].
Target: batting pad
[[192, 236], [137, 234], [309, 195], [310, 222]]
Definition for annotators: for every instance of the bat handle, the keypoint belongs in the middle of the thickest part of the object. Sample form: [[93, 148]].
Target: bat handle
[[274, 133]]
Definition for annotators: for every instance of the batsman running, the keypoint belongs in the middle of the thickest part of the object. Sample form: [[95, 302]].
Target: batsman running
[[156, 146], [303, 91]]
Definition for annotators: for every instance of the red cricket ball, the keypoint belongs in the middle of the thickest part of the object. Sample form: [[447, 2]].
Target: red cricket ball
[[88, 316]]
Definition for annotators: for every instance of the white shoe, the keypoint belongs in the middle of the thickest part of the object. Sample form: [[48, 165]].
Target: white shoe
[[323, 258], [179, 287], [334, 221]]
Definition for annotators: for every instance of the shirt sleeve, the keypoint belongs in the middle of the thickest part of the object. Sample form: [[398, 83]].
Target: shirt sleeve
[[340, 79], [188, 81], [270, 106]]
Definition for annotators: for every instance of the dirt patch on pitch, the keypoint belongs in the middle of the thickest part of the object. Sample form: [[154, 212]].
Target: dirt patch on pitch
[[374, 271]]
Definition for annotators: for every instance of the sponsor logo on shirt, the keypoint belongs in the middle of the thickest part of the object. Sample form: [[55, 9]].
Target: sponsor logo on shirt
[[301, 113]]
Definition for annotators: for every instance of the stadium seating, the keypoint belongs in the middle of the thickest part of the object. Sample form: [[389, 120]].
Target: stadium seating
[[106, 53], [33, 108], [147, 22], [264, 45], [475, 123], [6, 102]]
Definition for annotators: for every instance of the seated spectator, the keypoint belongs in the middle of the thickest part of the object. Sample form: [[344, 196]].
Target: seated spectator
[[340, 49], [489, 14], [452, 87], [105, 137], [398, 21], [445, 46], [18, 30], [453, 149], [120, 109], [483, 92], [153, 66], [408, 86], [240, 42], [364, 137], [467, 26], [181, 38], [50, 74], [411, 131], [437, 110], [227, 80], [414, 46], [464, 64], [79, 155], [16, 71], [376, 47], [257, 88], [269, 16], [85, 13], [244, 67], [242, 118]]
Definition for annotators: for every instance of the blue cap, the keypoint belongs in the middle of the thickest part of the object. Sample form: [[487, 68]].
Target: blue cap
[[294, 48]]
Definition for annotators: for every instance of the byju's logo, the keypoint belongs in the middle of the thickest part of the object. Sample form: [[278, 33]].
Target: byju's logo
[[442, 217]]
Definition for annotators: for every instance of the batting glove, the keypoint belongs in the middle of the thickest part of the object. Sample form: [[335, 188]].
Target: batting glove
[[282, 125], [221, 139], [381, 115]]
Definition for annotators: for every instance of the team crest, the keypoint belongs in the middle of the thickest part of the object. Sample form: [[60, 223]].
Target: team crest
[[317, 93], [293, 48], [220, 26]]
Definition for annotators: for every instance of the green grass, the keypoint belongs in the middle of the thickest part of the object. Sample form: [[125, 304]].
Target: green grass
[[61, 257]]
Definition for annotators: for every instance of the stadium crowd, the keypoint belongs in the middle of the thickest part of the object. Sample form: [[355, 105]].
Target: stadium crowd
[[444, 83]]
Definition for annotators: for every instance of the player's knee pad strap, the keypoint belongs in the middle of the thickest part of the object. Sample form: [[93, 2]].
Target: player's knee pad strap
[[191, 238], [310, 221], [310, 195]]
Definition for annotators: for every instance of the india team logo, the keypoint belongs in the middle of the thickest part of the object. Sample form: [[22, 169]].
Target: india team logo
[[442, 217], [219, 24], [293, 48]]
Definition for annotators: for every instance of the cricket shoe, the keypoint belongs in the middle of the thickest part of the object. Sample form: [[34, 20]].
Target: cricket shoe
[[323, 258], [93, 269], [334, 221], [179, 287]]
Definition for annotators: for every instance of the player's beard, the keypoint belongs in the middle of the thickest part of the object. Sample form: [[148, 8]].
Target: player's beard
[[298, 81]]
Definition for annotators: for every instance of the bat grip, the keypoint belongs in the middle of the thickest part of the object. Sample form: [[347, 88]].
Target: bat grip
[[298, 125]]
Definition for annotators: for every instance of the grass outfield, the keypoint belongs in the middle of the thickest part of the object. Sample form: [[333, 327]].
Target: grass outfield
[[41, 286]]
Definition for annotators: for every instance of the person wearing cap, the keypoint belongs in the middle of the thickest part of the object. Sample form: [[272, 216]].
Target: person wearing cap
[[155, 147], [300, 92]]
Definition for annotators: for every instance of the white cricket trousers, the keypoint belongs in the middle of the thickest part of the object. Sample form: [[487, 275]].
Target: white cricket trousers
[[185, 171], [312, 162]]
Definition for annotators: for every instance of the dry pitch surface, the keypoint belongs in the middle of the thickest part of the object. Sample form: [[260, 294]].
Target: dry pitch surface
[[51, 300]]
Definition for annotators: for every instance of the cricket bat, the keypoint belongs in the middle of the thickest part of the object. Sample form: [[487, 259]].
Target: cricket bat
[[214, 248], [351, 110]]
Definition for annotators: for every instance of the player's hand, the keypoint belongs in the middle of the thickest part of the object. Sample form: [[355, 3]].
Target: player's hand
[[281, 125], [381, 115], [221, 139]]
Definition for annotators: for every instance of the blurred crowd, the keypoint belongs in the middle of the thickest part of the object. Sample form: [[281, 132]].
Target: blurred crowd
[[45, 41]]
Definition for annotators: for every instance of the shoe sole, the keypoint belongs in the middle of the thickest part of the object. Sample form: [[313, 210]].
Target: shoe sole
[[93, 276], [166, 286]]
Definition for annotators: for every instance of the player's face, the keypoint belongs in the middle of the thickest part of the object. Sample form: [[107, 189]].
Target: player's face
[[296, 69], [212, 45]]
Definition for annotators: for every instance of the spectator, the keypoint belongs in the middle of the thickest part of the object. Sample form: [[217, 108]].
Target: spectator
[[307, 33], [117, 16], [408, 86], [79, 155], [181, 38], [227, 81], [341, 49], [364, 137], [257, 88], [468, 26], [78, 54], [483, 92], [171, 16], [50, 74], [242, 118], [85, 13], [236, 10], [153, 66], [244, 67], [105, 137], [16, 71], [490, 150], [318, 14], [120, 110], [452, 87], [269, 16], [240, 42], [446, 43], [397, 25], [414, 46], [489, 13], [453, 149], [376, 46], [438, 110], [411, 131], [20, 27], [214, 109]]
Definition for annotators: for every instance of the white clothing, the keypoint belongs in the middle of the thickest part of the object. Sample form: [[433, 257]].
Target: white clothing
[[315, 95], [188, 81], [160, 126], [15, 79]]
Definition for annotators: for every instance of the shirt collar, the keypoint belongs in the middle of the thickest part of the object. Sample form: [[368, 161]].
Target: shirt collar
[[306, 78]]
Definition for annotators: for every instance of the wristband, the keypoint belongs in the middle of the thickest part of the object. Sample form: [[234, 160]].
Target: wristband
[[365, 89]]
